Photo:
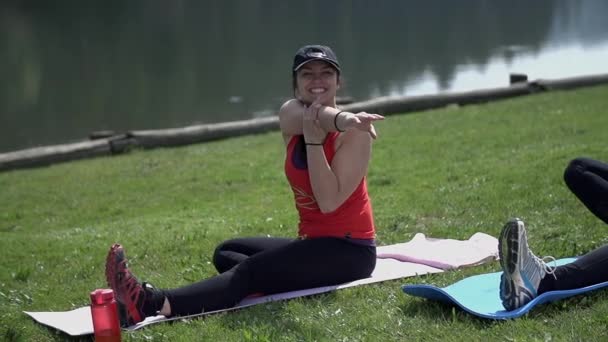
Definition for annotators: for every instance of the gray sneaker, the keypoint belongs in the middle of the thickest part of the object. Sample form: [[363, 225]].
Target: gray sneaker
[[522, 270]]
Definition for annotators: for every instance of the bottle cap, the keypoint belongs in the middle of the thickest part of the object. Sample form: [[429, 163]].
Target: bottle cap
[[101, 296]]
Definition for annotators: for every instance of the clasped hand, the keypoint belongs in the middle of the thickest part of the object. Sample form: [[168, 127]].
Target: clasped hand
[[362, 121], [315, 134]]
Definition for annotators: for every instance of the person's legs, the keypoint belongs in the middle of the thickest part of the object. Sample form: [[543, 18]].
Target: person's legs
[[298, 265], [232, 252], [588, 180], [525, 276], [589, 269]]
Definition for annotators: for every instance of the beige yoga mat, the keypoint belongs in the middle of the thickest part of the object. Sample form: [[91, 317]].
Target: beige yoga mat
[[389, 266]]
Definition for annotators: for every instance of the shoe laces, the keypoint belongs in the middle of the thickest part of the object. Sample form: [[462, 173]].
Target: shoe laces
[[540, 262], [133, 286]]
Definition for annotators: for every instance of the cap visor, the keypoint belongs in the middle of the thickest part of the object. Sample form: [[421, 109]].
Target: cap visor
[[317, 59]]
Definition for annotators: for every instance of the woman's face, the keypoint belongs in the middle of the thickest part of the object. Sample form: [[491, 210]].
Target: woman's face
[[317, 79]]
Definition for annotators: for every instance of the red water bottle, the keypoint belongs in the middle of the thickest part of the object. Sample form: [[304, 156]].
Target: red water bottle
[[105, 316]]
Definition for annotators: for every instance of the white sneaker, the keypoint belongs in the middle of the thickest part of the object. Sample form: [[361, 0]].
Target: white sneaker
[[522, 270]]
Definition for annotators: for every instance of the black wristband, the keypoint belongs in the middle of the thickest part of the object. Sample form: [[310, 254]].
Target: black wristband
[[313, 144], [336, 121]]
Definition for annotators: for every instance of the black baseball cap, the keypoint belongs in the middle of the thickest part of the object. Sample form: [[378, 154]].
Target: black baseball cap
[[311, 53]]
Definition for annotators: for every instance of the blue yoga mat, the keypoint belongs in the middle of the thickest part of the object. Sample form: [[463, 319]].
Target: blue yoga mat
[[479, 295]]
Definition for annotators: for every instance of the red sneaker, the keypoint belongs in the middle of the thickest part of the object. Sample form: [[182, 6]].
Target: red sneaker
[[129, 292]]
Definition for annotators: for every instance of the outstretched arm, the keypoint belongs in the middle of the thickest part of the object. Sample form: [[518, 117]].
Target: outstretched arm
[[329, 119]]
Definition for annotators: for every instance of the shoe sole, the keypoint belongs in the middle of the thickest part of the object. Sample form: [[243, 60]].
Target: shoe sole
[[510, 233], [115, 256], [114, 260], [509, 241]]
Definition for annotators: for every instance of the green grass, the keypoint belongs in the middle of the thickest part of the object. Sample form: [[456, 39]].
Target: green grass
[[446, 173]]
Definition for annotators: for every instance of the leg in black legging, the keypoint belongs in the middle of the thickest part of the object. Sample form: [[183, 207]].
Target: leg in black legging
[[590, 269], [300, 264], [232, 252], [588, 180]]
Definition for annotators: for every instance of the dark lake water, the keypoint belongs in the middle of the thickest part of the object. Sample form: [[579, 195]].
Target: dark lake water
[[72, 67]]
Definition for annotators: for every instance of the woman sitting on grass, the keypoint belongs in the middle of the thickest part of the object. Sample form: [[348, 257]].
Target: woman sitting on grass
[[526, 276], [327, 157]]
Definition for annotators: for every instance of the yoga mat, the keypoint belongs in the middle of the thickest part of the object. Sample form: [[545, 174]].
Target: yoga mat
[[479, 295], [78, 322], [444, 253]]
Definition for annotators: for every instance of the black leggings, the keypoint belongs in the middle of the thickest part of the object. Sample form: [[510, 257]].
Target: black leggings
[[272, 265], [588, 180]]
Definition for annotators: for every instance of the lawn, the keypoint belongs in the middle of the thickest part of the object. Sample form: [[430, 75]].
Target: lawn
[[447, 173]]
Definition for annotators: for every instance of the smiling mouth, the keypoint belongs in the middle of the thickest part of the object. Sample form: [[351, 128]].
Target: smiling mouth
[[318, 90]]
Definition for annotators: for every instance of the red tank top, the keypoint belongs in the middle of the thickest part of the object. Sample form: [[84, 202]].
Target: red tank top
[[353, 219]]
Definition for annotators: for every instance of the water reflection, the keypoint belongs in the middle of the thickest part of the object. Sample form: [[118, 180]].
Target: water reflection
[[72, 67], [556, 62]]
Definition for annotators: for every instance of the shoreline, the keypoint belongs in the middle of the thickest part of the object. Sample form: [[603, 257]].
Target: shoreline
[[388, 105]]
